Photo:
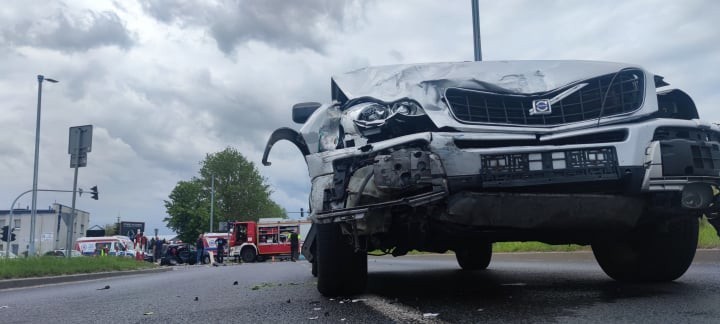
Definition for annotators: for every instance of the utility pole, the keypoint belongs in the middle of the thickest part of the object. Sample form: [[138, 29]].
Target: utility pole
[[212, 200], [476, 29]]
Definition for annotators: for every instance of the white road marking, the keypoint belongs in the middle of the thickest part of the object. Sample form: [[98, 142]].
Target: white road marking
[[398, 312]]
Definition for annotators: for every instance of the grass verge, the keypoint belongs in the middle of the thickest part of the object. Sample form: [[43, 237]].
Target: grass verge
[[54, 266], [707, 239]]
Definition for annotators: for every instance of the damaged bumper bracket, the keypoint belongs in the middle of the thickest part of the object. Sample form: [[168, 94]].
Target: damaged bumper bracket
[[358, 213]]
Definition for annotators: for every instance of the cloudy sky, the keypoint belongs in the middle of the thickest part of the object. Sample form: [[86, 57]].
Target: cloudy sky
[[166, 82]]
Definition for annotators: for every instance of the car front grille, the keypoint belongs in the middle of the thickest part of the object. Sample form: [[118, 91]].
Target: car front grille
[[624, 91]]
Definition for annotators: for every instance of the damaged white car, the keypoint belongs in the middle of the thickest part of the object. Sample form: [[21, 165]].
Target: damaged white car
[[456, 156]]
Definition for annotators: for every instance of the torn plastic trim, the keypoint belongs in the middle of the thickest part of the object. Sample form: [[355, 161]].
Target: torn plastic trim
[[287, 134]]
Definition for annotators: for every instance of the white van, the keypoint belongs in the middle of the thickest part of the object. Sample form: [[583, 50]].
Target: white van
[[112, 245]]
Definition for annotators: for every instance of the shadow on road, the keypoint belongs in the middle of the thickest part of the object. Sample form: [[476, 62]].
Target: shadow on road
[[513, 294]]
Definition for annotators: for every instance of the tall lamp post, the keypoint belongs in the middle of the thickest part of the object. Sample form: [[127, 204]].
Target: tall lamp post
[[33, 215]]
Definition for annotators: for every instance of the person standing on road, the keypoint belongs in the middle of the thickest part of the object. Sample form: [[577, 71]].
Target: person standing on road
[[220, 244], [158, 249], [294, 245], [200, 245]]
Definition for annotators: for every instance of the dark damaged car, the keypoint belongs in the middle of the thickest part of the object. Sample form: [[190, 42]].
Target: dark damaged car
[[456, 156]]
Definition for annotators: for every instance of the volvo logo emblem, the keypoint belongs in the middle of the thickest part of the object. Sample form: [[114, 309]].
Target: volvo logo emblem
[[541, 107]]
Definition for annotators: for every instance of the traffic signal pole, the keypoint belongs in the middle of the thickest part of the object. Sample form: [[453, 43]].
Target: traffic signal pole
[[10, 219]]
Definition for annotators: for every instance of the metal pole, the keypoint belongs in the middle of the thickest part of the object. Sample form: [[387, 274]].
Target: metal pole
[[212, 200], [33, 213], [71, 223], [476, 29]]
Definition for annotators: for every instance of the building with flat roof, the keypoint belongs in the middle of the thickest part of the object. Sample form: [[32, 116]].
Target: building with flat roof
[[50, 228]]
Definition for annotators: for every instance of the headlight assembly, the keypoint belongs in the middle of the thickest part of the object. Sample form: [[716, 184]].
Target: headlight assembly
[[375, 119], [374, 114]]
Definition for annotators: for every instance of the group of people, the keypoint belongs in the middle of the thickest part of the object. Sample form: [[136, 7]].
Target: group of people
[[157, 247], [220, 244]]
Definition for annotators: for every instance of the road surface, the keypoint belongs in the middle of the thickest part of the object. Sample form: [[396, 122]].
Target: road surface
[[522, 287]]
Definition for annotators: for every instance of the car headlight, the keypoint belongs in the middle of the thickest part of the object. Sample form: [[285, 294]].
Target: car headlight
[[370, 117], [407, 108], [373, 114]]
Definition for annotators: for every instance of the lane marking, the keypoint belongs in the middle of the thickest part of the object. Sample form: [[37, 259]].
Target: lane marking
[[398, 312]]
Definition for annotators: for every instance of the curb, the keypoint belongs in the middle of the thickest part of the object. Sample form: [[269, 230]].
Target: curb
[[32, 282]]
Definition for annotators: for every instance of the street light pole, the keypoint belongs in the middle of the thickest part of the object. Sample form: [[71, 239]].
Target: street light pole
[[33, 215], [476, 30], [212, 200]]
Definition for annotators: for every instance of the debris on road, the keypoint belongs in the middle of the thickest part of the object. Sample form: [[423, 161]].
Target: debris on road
[[148, 313], [262, 285], [235, 283], [313, 318], [359, 300], [430, 315], [196, 298], [103, 288]]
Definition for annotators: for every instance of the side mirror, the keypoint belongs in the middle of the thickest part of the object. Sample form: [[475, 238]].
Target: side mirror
[[302, 111]]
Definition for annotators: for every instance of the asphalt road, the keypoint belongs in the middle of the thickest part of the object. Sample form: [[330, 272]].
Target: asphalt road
[[535, 287]]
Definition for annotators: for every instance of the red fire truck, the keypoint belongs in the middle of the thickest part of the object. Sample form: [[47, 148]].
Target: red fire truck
[[258, 241]]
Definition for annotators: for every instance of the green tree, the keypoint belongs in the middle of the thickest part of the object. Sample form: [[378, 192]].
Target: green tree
[[189, 210], [241, 194]]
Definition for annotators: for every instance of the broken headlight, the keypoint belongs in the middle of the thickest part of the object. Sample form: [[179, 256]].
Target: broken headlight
[[375, 114], [376, 120]]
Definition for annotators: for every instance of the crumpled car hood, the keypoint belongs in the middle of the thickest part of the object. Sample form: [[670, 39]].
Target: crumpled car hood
[[413, 80], [426, 83]]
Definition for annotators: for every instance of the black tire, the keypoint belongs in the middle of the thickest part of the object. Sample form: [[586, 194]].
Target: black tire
[[474, 258], [340, 270], [657, 253], [206, 259], [248, 254]]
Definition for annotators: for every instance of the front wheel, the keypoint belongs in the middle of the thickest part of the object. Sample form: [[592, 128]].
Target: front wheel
[[341, 270], [474, 257], [248, 255], [657, 253]]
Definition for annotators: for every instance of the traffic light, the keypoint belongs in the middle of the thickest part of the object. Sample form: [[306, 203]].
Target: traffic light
[[5, 233], [94, 193], [12, 236]]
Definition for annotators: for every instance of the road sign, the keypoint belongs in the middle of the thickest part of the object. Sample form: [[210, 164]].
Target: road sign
[[131, 228], [80, 139], [78, 160], [79, 144]]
